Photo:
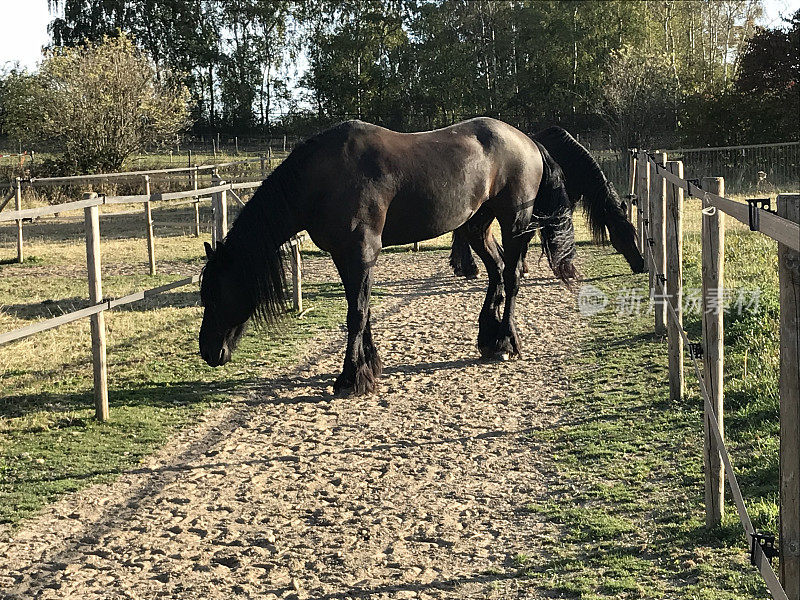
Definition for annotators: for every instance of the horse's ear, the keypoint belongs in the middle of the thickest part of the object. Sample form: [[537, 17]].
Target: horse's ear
[[209, 250]]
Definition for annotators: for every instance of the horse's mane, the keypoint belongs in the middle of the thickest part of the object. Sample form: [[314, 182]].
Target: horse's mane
[[584, 179], [557, 235], [253, 248]]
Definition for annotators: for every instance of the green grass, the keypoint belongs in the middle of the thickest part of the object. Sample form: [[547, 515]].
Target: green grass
[[624, 516], [49, 441]]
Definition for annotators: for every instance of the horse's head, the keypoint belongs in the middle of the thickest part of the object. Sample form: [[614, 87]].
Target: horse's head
[[623, 238], [611, 216], [226, 308], [558, 244]]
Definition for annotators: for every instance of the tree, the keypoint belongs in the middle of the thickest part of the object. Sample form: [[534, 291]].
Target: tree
[[769, 79], [638, 97], [100, 102]]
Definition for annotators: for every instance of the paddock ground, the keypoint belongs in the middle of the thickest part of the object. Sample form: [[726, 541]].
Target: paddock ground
[[566, 474], [418, 491]]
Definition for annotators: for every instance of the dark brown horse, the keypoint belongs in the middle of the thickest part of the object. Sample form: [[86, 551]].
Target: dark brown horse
[[586, 184], [356, 188]]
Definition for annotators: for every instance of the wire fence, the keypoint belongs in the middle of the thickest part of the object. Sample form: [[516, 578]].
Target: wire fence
[[761, 169], [755, 169], [660, 187]]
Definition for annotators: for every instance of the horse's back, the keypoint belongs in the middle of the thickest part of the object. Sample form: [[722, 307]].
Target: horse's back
[[414, 186]]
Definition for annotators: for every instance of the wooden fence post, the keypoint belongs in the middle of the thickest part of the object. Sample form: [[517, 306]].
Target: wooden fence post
[[196, 204], [297, 275], [91, 217], [643, 205], [713, 238], [632, 176], [219, 205], [789, 390], [18, 206], [658, 209], [263, 167], [674, 250], [148, 214]]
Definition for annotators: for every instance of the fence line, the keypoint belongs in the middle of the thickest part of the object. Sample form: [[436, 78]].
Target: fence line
[[739, 165], [73, 179], [90, 206], [41, 211], [717, 459], [744, 147], [191, 169], [780, 229]]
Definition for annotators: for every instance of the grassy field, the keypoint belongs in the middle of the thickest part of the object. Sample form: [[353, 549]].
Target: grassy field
[[49, 441], [625, 514], [626, 517]]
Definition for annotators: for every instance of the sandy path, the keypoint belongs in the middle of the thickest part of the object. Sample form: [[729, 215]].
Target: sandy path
[[290, 492]]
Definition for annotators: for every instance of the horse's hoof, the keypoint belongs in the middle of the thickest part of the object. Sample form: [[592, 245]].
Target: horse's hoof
[[505, 356]]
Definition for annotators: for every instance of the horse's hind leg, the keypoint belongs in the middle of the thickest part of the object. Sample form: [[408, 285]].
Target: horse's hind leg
[[485, 246], [362, 365]]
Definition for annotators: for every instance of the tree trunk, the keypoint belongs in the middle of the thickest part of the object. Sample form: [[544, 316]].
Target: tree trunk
[[574, 59], [211, 110]]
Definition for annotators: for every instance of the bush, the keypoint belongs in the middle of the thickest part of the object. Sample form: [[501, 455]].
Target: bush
[[99, 102]]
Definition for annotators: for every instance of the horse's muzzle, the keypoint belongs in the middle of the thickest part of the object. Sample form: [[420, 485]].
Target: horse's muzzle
[[216, 359]]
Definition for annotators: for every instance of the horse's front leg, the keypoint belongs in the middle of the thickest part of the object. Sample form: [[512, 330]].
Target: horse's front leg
[[362, 365], [487, 249], [508, 344]]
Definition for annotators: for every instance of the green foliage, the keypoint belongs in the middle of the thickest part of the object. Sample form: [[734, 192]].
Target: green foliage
[[101, 102], [646, 73], [615, 66], [638, 89]]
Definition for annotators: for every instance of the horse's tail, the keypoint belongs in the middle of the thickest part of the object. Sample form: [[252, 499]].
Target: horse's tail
[[461, 259], [585, 180]]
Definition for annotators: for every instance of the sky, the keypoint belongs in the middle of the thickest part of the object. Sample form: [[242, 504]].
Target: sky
[[25, 27]]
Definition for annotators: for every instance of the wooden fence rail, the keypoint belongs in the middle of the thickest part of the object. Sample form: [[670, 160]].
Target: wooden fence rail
[[652, 174], [193, 172], [78, 179], [90, 205]]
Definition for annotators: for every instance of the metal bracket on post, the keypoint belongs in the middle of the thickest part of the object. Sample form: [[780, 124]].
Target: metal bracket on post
[[766, 541], [755, 205], [695, 350]]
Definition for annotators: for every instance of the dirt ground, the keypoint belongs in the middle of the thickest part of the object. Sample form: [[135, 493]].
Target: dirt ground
[[417, 491]]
